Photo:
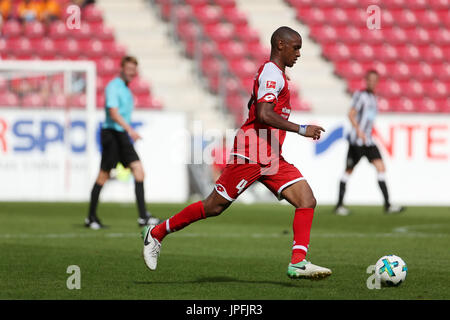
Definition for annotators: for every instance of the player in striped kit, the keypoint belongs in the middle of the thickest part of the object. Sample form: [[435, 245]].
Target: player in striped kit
[[362, 116], [256, 156]]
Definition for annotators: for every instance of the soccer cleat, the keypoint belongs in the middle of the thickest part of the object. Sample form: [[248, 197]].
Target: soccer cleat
[[152, 248], [341, 211], [393, 209], [305, 269], [93, 223], [149, 220]]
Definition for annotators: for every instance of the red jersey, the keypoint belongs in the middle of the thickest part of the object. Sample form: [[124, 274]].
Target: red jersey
[[256, 141]]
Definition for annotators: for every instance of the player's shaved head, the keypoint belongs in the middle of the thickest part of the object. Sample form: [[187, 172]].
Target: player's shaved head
[[283, 34], [286, 44]]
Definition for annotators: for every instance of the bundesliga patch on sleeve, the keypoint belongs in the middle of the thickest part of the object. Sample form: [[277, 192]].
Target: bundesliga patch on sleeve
[[271, 84]]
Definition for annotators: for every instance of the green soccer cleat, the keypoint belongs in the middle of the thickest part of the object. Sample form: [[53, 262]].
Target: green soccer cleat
[[305, 269]]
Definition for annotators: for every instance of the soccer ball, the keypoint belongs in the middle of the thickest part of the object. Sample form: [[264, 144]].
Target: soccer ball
[[390, 270]]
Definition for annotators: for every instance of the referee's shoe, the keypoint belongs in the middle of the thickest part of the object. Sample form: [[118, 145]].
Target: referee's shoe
[[93, 223], [391, 209], [148, 220]]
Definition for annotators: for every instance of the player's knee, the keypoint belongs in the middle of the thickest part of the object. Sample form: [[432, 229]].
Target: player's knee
[[311, 202], [213, 210], [307, 202]]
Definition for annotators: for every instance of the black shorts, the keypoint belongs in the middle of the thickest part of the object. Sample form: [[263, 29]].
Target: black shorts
[[355, 153], [116, 147]]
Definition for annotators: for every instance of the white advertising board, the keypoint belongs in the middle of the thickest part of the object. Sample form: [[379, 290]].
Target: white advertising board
[[44, 156], [415, 149]]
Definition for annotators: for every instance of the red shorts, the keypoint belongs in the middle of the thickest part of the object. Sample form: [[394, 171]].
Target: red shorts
[[237, 177]]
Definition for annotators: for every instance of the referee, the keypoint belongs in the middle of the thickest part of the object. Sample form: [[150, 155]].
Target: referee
[[362, 116], [116, 144]]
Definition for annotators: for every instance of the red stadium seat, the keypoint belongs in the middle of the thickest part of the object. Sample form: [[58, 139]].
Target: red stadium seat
[[244, 68], [69, 48], [427, 105], [225, 4], [58, 30], [395, 35], [107, 66], [442, 71], [100, 101], [409, 53], [11, 29], [387, 53], [389, 88], [405, 18], [32, 100], [349, 34], [440, 36], [78, 101], [57, 101], [437, 89], [219, 32], [428, 18], [432, 53], [140, 87], [246, 33], [92, 14], [9, 99], [232, 50], [404, 105], [208, 14], [34, 29], [21, 46], [337, 52], [234, 16]]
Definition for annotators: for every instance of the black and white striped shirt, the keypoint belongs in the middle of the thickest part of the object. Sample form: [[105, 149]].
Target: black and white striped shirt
[[365, 103]]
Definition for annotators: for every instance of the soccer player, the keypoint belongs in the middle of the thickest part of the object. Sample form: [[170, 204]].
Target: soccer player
[[116, 144], [254, 158], [362, 116]]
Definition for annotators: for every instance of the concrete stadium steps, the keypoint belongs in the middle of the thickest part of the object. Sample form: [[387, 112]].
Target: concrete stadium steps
[[138, 27], [313, 74]]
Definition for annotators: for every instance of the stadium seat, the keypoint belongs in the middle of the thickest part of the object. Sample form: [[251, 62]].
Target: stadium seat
[[11, 29], [139, 87], [32, 100], [208, 14], [57, 101], [92, 14], [34, 29], [58, 30], [9, 99], [409, 51]]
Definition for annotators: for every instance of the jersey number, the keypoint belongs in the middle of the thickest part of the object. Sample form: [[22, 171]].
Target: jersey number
[[241, 185]]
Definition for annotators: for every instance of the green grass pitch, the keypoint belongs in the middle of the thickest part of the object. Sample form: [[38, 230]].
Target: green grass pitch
[[242, 254]]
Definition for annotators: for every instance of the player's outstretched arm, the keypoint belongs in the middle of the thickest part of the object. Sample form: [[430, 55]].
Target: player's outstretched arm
[[266, 115]]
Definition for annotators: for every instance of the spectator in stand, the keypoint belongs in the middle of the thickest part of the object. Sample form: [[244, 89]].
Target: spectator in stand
[[5, 11], [29, 10], [50, 11]]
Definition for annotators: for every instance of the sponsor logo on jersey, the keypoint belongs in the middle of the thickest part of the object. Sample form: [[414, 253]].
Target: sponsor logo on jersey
[[286, 110], [269, 97], [271, 84]]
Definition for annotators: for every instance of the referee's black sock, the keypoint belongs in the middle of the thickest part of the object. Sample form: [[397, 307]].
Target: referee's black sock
[[342, 186], [95, 193], [384, 190], [140, 199]]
